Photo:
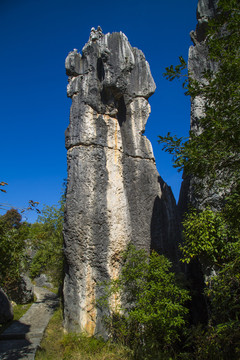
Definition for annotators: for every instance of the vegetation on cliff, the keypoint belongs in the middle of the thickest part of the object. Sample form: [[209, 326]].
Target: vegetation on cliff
[[152, 320], [211, 157]]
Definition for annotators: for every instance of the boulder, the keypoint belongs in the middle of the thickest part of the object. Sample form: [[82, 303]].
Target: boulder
[[22, 290], [43, 281], [6, 310]]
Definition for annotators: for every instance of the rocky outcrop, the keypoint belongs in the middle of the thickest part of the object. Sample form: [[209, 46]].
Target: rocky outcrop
[[22, 290], [198, 61], [114, 194], [43, 281], [6, 310]]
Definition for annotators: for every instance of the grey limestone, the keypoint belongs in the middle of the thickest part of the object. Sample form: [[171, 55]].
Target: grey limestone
[[114, 194], [198, 62], [43, 280], [22, 293], [6, 311]]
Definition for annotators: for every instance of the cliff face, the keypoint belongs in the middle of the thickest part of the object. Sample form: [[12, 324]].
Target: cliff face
[[198, 61], [114, 194]]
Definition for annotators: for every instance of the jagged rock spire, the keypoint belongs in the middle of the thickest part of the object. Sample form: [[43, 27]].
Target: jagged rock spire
[[115, 194]]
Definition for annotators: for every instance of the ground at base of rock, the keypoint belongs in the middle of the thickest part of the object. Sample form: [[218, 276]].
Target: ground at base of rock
[[22, 338]]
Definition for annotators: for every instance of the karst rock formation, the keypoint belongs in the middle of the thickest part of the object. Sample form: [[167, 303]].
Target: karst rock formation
[[198, 61], [114, 195]]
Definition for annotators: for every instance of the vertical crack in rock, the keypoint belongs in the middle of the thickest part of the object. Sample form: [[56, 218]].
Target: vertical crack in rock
[[114, 195]]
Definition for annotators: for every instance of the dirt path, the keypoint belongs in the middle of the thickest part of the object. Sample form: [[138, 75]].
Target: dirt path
[[22, 338]]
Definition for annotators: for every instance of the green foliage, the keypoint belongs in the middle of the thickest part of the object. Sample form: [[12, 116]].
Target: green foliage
[[219, 342], [91, 348], [60, 346], [226, 307], [215, 240], [19, 241], [12, 219], [177, 72], [152, 316], [47, 243], [213, 155], [206, 234], [20, 309], [12, 245]]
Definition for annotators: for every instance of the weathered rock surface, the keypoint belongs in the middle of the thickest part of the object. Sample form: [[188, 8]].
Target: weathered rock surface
[[198, 61], [43, 280], [6, 310], [115, 194], [22, 292]]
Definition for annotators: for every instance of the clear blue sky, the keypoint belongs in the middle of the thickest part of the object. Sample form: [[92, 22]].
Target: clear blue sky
[[36, 36]]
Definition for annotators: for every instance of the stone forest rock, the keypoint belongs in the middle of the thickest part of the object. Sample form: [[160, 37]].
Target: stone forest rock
[[114, 195], [6, 310], [22, 291], [198, 61], [43, 281]]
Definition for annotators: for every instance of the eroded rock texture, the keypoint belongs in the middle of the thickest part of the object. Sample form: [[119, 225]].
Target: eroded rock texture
[[198, 61], [114, 194]]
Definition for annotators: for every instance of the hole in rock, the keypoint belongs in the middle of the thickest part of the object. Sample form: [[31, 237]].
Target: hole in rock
[[122, 111], [100, 69]]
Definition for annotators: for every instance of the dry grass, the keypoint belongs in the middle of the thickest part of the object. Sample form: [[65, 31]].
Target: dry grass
[[56, 345]]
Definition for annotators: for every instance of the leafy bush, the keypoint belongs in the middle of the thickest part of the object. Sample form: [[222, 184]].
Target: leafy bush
[[214, 239], [12, 245], [207, 234], [47, 243], [151, 316]]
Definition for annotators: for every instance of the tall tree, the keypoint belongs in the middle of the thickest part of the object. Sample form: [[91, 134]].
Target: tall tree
[[13, 232]]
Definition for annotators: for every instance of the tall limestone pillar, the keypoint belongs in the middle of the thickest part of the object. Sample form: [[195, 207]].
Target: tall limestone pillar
[[114, 194]]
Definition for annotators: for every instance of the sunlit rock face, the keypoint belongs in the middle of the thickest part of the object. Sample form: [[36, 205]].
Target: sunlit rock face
[[115, 195], [198, 61]]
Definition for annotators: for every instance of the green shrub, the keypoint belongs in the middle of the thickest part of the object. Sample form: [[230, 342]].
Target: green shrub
[[206, 234], [47, 243], [12, 248], [152, 315]]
